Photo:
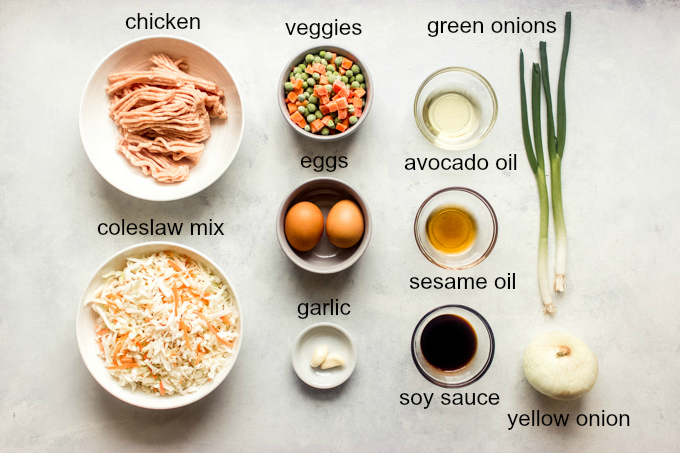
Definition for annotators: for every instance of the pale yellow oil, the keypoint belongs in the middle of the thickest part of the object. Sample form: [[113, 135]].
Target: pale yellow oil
[[451, 230], [451, 116]]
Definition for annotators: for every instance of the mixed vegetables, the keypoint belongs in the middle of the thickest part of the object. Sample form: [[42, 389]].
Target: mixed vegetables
[[326, 93]]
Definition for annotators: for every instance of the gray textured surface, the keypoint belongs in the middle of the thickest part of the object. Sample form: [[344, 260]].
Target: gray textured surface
[[620, 186]]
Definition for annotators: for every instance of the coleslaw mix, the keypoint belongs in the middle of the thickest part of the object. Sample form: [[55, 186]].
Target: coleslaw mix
[[166, 324]]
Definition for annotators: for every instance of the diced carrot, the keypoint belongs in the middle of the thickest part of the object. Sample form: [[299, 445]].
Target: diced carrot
[[333, 106], [305, 102], [323, 80], [326, 119], [332, 57], [298, 91], [338, 85], [297, 84], [319, 90], [342, 114], [357, 103], [357, 113], [316, 125], [347, 63], [344, 93], [309, 69], [359, 92], [318, 67], [342, 103], [291, 108], [340, 127], [323, 108], [296, 117], [292, 97], [342, 71], [325, 99]]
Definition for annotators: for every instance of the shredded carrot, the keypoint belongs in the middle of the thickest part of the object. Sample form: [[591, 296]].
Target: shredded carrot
[[175, 266], [212, 329], [225, 320], [121, 367], [176, 297]]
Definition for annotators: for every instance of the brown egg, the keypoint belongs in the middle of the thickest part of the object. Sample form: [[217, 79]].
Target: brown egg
[[345, 224], [303, 226]]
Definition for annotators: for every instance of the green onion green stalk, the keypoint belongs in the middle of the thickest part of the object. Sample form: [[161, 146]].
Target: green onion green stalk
[[556, 141], [537, 164]]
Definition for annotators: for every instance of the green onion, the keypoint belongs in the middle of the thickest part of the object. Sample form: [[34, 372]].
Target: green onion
[[537, 164], [556, 152]]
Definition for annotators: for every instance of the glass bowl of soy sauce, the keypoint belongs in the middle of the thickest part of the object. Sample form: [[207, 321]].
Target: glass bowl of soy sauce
[[453, 346]]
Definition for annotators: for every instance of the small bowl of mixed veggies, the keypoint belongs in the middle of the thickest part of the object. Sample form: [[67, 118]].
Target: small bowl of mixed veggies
[[325, 92]]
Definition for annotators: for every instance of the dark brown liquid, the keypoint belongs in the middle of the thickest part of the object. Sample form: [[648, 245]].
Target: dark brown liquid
[[448, 342]]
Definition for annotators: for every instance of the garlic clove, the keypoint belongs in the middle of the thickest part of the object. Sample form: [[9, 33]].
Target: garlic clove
[[319, 355], [332, 361]]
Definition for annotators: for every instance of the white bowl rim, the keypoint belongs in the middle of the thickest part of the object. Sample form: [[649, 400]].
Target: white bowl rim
[[182, 400], [282, 102], [352, 362], [350, 261], [144, 38]]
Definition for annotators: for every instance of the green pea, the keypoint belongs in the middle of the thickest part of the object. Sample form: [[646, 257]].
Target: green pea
[[351, 80], [311, 82], [317, 59], [306, 95], [328, 74], [297, 71], [318, 114], [331, 79], [310, 90], [292, 74], [311, 108], [305, 85], [288, 86], [356, 85], [329, 68], [311, 118], [359, 78], [316, 76], [325, 131], [301, 97], [363, 85], [353, 119], [329, 88], [302, 66], [355, 69], [324, 62], [344, 79], [308, 128], [322, 53], [336, 73], [299, 76], [338, 61], [350, 109], [331, 124], [302, 109], [313, 99], [309, 58], [349, 74]]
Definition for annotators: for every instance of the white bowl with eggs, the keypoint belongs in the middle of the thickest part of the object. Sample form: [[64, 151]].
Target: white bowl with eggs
[[325, 257]]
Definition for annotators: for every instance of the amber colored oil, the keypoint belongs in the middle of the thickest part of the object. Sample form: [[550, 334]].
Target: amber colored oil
[[451, 229]]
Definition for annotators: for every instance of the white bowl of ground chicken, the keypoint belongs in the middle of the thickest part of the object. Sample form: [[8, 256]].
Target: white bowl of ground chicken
[[138, 166]]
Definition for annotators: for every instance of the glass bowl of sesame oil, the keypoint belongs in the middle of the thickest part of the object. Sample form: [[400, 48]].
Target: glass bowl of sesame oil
[[456, 228], [455, 108]]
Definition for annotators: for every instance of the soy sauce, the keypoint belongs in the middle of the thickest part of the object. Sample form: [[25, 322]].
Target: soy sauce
[[448, 342]]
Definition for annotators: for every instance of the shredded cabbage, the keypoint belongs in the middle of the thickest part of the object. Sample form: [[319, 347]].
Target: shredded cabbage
[[166, 324]]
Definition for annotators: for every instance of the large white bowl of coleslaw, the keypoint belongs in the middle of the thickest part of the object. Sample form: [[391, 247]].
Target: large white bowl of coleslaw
[[159, 325]]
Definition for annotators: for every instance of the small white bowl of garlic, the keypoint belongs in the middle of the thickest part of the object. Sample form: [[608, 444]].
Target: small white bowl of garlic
[[324, 355]]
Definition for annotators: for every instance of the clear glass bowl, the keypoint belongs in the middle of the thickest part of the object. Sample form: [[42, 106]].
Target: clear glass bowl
[[479, 101], [474, 370], [483, 216]]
